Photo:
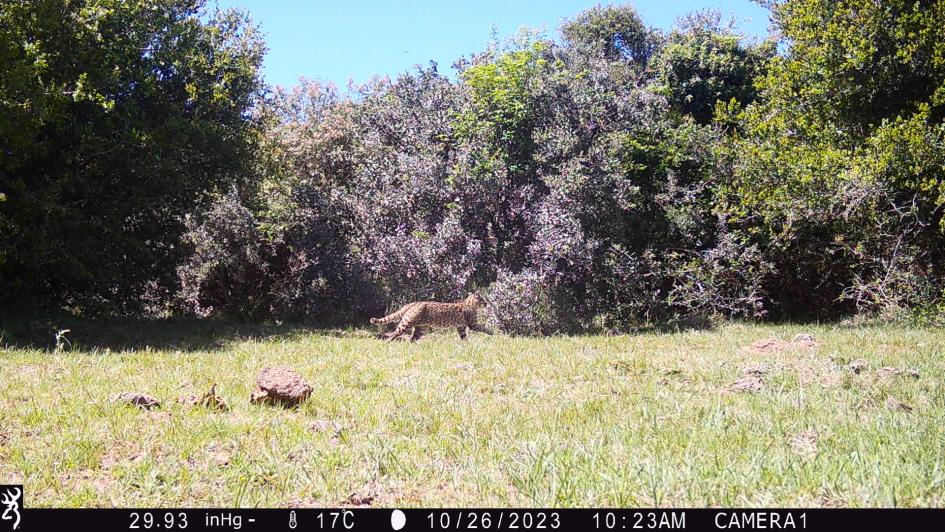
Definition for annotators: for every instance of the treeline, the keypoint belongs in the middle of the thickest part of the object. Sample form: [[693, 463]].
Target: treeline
[[604, 178]]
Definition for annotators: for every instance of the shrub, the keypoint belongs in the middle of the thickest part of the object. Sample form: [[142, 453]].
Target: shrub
[[615, 179], [523, 303], [116, 119], [231, 267], [727, 280]]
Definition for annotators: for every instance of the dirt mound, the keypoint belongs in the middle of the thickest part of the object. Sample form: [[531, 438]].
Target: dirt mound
[[895, 404], [145, 402], [777, 345], [751, 383], [883, 374], [280, 385]]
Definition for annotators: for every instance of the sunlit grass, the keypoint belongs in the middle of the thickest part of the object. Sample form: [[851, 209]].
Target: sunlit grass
[[635, 420]]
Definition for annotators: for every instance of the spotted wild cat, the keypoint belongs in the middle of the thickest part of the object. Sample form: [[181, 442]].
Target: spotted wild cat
[[422, 314]]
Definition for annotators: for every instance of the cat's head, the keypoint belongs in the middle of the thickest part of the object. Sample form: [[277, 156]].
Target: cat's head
[[475, 299]]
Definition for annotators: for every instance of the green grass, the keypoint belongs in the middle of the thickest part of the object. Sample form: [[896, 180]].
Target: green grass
[[640, 420]]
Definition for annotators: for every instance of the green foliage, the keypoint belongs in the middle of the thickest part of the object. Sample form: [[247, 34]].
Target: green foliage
[[502, 98], [116, 118], [703, 63], [838, 169], [615, 32], [612, 177], [860, 61]]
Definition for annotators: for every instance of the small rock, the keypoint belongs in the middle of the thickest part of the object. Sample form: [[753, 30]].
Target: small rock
[[145, 402], [911, 373], [750, 383], [895, 404], [280, 385], [802, 338], [670, 371], [858, 365]]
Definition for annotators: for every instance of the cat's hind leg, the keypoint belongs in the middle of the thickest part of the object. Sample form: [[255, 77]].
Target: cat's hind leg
[[385, 330], [417, 334], [401, 329]]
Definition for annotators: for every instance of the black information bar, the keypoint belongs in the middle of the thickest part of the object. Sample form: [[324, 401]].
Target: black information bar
[[481, 519]]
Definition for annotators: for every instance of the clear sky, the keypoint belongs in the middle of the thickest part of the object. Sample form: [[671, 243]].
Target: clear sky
[[341, 39]]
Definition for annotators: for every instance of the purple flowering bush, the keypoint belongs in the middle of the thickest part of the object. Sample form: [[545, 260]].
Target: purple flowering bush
[[571, 182], [528, 303], [551, 176]]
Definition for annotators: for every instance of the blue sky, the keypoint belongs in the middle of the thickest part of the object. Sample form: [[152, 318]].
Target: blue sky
[[338, 40]]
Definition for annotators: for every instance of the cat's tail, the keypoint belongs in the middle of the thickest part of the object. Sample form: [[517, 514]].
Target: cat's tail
[[390, 318]]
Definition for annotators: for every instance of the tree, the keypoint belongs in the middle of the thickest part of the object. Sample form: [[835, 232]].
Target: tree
[[839, 169], [704, 63], [116, 118], [613, 32]]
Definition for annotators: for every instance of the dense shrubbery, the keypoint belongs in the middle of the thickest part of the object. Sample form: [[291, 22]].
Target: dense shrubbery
[[839, 168], [557, 177], [116, 119], [615, 178]]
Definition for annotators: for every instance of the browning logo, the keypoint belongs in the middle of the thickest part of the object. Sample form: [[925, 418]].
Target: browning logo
[[11, 499]]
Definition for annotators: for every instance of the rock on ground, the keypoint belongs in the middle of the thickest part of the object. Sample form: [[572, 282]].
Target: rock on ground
[[280, 385], [140, 400]]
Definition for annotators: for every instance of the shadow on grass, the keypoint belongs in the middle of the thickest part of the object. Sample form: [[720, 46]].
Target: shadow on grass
[[184, 334], [191, 334]]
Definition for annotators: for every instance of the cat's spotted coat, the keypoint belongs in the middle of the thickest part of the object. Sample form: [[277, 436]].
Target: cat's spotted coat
[[421, 314]]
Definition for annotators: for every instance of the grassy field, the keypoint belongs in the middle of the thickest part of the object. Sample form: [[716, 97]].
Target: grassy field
[[642, 420]]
